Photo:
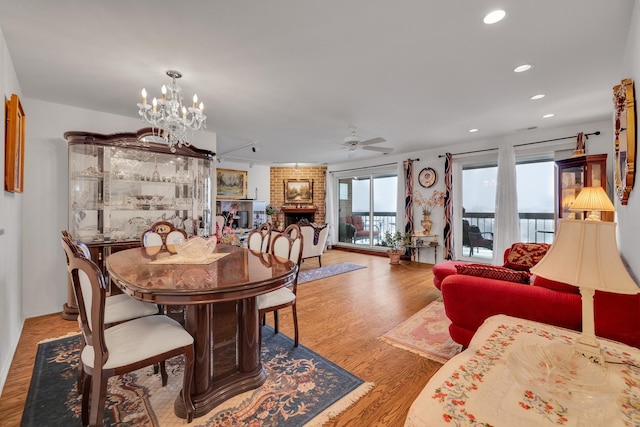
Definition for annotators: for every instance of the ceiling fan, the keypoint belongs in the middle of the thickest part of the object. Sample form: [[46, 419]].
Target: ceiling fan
[[355, 142]]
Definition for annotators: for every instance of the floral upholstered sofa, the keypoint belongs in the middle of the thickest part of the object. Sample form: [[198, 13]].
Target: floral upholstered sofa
[[474, 292]]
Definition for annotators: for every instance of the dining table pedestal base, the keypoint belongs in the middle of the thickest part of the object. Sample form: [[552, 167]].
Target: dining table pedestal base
[[227, 353]]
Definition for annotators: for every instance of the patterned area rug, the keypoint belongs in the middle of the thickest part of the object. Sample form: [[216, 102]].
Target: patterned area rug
[[302, 388], [327, 271], [425, 333]]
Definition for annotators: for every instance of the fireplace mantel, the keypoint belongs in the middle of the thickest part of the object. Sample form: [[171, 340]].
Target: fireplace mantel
[[299, 210]]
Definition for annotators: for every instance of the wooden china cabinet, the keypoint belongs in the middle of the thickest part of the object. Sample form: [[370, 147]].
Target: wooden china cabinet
[[572, 175], [120, 184]]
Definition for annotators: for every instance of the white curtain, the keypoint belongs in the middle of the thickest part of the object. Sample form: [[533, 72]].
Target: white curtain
[[330, 214], [506, 227]]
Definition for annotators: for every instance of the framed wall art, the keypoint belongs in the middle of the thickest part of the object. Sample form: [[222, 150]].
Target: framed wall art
[[625, 138], [14, 145], [298, 191], [231, 184]]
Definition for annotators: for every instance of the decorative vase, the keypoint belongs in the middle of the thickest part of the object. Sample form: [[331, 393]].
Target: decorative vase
[[426, 223]]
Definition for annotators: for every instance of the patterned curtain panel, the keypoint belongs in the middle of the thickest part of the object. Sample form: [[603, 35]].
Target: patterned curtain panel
[[447, 252], [408, 195]]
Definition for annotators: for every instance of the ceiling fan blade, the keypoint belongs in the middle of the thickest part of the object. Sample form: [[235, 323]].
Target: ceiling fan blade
[[379, 149], [377, 140]]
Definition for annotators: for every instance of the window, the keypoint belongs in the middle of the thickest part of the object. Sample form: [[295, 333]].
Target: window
[[535, 188], [367, 207]]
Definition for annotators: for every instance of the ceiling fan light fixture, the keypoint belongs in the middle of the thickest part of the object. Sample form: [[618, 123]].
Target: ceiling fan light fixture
[[474, 130], [538, 96]]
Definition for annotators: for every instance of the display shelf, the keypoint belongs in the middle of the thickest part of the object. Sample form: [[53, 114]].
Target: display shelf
[[120, 184], [575, 173]]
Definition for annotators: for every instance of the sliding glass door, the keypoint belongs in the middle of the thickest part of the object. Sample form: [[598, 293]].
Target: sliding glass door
[[366, 207]]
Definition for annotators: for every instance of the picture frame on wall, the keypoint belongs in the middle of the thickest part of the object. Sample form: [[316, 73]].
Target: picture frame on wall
[[14, 145], [231, 184], [298, 191]]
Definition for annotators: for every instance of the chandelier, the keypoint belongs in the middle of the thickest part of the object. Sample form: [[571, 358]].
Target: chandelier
[[175, 122]]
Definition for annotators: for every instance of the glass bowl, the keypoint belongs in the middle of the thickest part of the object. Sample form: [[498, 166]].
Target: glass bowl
[[556, 370], [196, 247]]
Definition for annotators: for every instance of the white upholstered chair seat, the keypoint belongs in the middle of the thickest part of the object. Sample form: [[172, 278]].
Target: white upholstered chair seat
[[139, 339], [121, 307], [276, 298]]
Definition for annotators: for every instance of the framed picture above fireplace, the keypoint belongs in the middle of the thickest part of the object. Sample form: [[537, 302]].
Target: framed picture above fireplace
[[298, 191]]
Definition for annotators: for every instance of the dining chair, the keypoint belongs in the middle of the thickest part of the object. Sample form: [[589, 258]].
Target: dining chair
[[259, 238], [164, 235], [123, 348], [315, 239], [288, 247], [118, 308]]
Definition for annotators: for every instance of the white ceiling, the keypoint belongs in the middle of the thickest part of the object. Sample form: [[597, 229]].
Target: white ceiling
[[294, 74]]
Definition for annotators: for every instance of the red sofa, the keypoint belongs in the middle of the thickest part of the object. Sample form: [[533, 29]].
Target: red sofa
[[470, 300]]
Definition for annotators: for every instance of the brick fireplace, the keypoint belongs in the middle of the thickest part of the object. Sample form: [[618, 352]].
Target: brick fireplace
[[292, 213]]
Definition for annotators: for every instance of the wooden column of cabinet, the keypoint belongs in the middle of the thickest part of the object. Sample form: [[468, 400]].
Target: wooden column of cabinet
[[575, 173]]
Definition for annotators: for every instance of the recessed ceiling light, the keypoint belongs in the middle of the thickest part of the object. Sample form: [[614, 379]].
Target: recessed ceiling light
[[473, 130], [538, 96], [546, 116], [522, 68], [495, 16]]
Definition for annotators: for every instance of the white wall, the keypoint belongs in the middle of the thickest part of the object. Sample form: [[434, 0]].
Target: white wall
[[627, 216], [11, 208]]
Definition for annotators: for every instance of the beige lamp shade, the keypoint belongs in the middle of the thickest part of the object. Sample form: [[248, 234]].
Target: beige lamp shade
[[585, 254], [592, 199]]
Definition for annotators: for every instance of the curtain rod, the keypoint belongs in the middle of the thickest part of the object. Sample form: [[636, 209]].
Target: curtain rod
[[368, 167], [523, 144]]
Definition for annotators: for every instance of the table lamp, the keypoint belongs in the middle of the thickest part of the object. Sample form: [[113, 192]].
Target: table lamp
[[585, 254], [593, 199]]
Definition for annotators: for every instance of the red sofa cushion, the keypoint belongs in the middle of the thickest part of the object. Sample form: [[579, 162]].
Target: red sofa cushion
[[493, 272], [523, 256]]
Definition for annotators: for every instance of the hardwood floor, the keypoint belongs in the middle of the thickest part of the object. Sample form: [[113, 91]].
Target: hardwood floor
[[340, 317]]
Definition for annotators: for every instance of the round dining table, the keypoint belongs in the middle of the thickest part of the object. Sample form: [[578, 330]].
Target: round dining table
[[220, 298]]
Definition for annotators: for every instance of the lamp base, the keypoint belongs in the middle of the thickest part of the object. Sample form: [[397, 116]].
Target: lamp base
[[590, 350]]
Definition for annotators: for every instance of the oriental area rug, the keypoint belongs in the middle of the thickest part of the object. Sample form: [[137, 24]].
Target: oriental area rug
[[302, 389], [327, 271], [425, 333]]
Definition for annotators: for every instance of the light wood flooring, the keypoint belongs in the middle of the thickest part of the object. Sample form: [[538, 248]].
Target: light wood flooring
[[340, 317]]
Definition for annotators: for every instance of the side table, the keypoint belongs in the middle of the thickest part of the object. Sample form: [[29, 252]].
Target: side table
[[415, 249]]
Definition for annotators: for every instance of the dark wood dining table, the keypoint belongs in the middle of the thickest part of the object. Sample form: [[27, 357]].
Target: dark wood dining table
[[221, 311]]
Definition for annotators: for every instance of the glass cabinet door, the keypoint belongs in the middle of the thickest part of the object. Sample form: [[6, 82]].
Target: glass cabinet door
[[575, 173], [120, 185]]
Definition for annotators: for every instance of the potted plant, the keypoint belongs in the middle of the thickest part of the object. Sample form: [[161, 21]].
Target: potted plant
[[396, 242], [270, 210]]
